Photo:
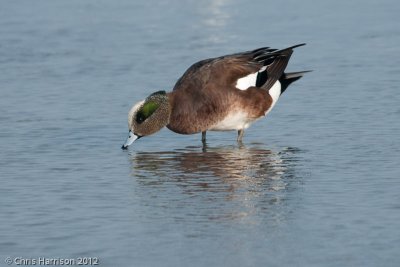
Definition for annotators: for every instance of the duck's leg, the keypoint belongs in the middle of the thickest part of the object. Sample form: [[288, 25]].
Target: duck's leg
[[203, 136], [240, 135]]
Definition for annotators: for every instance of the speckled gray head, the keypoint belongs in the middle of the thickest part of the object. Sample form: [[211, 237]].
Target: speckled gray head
[[147, 117]]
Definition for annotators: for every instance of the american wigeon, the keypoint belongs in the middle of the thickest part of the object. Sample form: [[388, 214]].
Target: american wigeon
[[217, 94]]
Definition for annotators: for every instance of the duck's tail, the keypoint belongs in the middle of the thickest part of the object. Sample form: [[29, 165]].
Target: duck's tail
[[287, 78]]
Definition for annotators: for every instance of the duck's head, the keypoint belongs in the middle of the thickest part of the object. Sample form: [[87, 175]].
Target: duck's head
[[148, 117]]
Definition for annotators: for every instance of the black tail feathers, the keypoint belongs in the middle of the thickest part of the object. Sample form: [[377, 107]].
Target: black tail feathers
[[287, 78]]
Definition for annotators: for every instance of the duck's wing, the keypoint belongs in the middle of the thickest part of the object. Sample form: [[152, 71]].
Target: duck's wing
[[261, 68]]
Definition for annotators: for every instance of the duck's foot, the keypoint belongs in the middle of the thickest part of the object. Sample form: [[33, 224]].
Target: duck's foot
[[240, 136], [203, 140], [203, 137]]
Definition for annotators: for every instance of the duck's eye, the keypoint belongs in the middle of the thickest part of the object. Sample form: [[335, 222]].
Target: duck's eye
[[146, 111], [140, 117]]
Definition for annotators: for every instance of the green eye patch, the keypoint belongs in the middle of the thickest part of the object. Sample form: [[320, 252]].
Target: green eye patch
[[146, 111]]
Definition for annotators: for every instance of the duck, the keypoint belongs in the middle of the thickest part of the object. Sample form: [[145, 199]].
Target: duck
[[217, 94]]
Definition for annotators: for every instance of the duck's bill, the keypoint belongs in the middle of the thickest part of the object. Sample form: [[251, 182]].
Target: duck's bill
[[131, 138]]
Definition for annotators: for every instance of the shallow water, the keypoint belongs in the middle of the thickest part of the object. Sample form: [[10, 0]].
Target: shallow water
[[314, 184]]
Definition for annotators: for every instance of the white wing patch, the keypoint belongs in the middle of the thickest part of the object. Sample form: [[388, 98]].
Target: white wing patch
[[247, 81]]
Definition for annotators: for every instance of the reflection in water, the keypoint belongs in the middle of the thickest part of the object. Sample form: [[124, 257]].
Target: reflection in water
[[222, 183]]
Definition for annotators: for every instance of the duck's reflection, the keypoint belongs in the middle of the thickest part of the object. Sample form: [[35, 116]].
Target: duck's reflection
[[230, 182]]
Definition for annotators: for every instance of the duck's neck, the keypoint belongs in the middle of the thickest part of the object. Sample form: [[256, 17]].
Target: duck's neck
[[171, 101]]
